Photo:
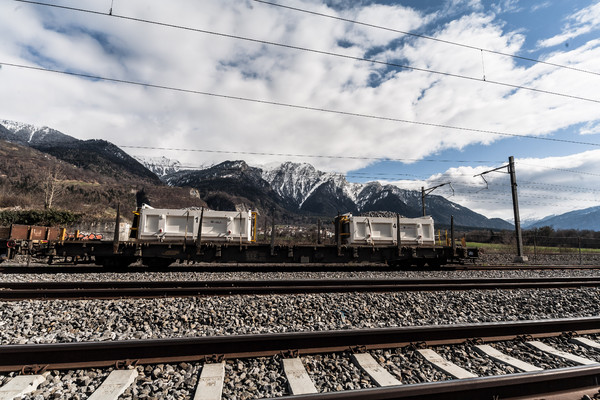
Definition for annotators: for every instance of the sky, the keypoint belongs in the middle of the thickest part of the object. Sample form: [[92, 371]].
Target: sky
[[414, 93]]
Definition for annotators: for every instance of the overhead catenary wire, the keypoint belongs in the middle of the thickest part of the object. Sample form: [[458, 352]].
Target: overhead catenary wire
[[558, 186], [457, 184], [327, 53], [281, 104], [420, 36], [268, 102], [559, 169], [290, 105], [489, 197], [379, 176], [525, 136], [341, 157], [327, 156], [372, 174]]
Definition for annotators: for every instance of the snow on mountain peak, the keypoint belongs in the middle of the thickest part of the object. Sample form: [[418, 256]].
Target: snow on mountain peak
[[295, 181], [34, 135], [22, 128], [161, 166], [298, 181]]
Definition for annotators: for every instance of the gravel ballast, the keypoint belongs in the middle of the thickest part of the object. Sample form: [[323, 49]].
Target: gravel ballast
[[533, 356], [90, 320], [335, 372], [39, 321], [248, 275], [408, 366]]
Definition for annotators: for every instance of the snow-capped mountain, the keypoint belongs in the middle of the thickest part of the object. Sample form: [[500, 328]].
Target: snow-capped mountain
[[32, 135], [301, 189], [161, 166], [298, 181], [290, 190], [95, 155], [586, 219], [232, 185], [320, 192]]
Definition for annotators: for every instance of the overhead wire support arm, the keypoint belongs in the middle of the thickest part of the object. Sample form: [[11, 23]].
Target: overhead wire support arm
[[513, 183], [425, 192], [491, 170], [487, 172]]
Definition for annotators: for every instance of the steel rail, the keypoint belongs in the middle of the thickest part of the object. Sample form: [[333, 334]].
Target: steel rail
[[521, 267], [539, 384], [13, 291], [230, 267], [151, 351]]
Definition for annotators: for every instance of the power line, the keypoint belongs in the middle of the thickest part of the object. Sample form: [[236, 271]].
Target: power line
[[295, 106], [560, 169], [264, 153], [362, 59], [508, 203], [445, 41], [320, 155], [522, 194], [317, 174], [553, 185], [457, 184], [479, 196]]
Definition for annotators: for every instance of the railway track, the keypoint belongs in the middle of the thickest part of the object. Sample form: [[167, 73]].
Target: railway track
[[8, 269], [291, 350], [151, 289]]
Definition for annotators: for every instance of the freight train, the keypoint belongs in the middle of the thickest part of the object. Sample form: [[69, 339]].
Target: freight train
[[160, 237]]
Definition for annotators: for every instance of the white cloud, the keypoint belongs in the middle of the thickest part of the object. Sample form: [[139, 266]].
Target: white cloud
[[590, 129], [545, 186], [540, 6], [583, 21], [507, 6], [134, 115]]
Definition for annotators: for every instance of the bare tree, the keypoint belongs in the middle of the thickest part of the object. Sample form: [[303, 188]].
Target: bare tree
[[53, 186]]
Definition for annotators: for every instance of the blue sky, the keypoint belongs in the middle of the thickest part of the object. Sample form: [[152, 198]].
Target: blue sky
[[232, 79], [537, 22]]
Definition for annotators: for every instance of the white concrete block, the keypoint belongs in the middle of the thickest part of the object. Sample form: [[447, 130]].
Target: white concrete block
[[489, 351], [298, 379], [561, 354], [20, 385], [115, 385], [586, 342], [210, 385], [379, 374]]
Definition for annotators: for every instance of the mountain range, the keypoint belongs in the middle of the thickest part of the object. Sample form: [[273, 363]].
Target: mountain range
[[294, 192], [95, 155], [44, 168], [586, 219]]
